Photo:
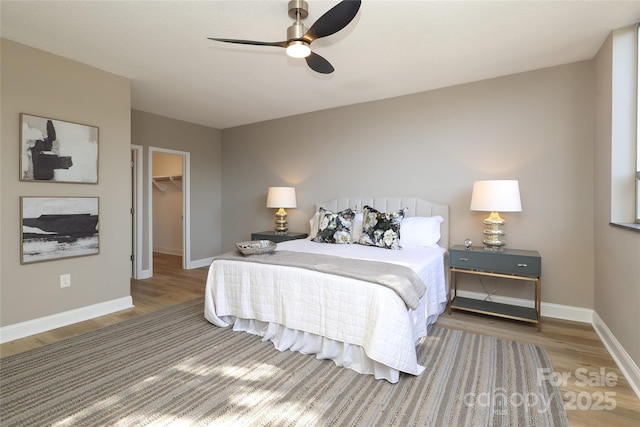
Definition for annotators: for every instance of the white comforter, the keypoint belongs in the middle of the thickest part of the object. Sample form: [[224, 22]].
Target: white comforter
[[367, 318]]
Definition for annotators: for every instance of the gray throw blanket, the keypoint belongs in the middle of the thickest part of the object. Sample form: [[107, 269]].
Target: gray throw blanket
[[402, 280]]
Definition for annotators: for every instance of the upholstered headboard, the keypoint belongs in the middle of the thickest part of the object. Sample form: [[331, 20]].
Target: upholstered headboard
[[414, 205]]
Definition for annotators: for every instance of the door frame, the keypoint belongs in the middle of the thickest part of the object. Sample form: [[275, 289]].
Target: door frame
[[137, 214]]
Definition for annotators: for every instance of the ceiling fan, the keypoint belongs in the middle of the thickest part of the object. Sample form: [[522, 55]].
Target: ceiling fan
[[299, 38]]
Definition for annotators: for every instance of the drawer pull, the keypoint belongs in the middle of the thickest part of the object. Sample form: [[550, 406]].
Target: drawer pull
[[522, 265], [464, 259]]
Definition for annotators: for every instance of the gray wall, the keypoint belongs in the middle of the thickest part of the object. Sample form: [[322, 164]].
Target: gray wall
[[204, 145], [617, 251], [39, 83], [536, 127]]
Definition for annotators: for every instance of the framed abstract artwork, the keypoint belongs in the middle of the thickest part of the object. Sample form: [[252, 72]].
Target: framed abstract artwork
[[58, 227], [57, 151]]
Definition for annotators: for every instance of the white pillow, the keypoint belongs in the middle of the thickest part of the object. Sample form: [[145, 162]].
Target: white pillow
[[314, 222], [356, 227], [420, 230]]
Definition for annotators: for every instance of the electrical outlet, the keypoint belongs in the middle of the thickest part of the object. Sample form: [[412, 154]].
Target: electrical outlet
[[65, 280]]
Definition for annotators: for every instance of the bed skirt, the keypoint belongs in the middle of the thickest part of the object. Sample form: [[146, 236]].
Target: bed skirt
[[433, 318], [343, 355]]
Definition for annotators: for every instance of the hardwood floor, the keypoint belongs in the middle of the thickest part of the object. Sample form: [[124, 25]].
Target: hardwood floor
[[582, 366]]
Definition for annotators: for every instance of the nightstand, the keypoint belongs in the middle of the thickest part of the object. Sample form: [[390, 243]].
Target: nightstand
[[518, 265], [277, 237]]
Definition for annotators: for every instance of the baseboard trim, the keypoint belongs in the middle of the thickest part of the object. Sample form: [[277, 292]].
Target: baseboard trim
[[42, 324], [205, 262], [626, 364], [556, 311]]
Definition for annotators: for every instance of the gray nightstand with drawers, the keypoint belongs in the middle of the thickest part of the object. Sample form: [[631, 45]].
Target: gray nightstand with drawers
[[513, 264]]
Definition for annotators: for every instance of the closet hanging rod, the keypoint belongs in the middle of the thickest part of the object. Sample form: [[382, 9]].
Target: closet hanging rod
[[168, 178]]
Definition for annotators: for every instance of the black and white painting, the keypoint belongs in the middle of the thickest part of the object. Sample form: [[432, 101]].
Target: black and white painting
[[58, 227], [57, 151]]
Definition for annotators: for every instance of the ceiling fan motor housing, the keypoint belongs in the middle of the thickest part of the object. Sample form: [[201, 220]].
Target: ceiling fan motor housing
[[296, 31], [298, 9]]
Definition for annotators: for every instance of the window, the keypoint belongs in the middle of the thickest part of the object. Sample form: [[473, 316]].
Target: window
[[625, 118], [638, 125]]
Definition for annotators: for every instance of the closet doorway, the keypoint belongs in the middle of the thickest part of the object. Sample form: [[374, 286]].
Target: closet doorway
[[168, 204]]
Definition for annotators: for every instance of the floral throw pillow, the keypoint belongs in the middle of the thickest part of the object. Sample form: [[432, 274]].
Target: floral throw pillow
[[381, 229], [334, 227]]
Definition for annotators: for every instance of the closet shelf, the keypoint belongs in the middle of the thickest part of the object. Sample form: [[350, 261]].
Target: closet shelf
[[175, 179]]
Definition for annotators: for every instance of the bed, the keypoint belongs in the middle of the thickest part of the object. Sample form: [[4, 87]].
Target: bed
[[325, 310]]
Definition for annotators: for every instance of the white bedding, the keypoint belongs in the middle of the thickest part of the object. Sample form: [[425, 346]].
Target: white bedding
[[359, 325], [426, 262]]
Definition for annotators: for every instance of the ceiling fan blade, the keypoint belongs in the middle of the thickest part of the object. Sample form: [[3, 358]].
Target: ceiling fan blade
[[250, 42], [333, 20], [318, 64]]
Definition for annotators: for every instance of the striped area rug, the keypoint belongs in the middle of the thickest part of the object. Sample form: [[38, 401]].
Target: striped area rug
[[173, 368]]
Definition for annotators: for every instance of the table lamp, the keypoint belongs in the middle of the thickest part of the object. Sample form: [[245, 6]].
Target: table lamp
[[281, 198], [493, 196]]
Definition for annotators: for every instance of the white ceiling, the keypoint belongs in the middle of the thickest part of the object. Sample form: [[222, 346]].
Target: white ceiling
[[391, 48]]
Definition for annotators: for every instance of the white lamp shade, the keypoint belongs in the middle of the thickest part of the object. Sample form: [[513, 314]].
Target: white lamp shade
[[496, 196], [281, 197]]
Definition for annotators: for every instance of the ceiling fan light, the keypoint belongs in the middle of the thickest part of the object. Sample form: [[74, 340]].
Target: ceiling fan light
[[298, 49]]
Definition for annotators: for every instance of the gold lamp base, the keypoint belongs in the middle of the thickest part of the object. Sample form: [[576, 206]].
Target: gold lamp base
[[493, 233], [281, 221]]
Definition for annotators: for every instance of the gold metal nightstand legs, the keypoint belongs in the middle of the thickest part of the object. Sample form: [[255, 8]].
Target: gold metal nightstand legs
[[491, 308]]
